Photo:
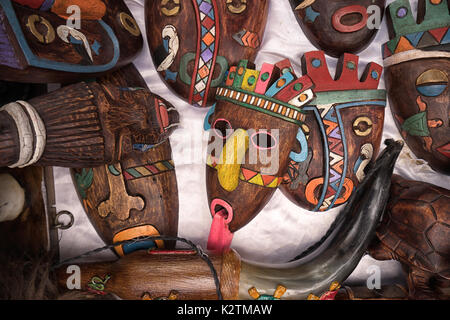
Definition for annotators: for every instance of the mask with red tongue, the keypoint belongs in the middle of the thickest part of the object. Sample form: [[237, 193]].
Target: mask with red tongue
[[253, 128]]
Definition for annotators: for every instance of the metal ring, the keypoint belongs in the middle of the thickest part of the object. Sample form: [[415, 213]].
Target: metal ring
[[129, 24], [49, 37], [61, 226]]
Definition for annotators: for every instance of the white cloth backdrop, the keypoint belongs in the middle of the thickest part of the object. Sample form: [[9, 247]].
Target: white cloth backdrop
[[282, 229]]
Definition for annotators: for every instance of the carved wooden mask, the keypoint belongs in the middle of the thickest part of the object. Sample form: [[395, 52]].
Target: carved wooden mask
[[138, 196], [417, 62], [339, 26], [341, 133], [42, 43], [253, 129], [193, 42]]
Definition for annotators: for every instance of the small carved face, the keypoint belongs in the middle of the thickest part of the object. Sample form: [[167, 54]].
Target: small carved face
[[193, 42], [66, 40], [339, 26], [419, 96]]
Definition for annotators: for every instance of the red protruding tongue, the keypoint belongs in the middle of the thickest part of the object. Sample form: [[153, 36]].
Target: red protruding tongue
[[220, 237]]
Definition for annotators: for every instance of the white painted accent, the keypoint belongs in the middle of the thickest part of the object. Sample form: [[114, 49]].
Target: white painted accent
[[174, 44], [12, 198]]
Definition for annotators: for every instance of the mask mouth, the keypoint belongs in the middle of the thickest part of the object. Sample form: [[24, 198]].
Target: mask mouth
[[136, 237], [223, 208]]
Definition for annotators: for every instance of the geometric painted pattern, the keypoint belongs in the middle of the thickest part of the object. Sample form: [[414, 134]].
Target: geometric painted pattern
[[251, 176], [207, 49], [148, 170], [418, 40]]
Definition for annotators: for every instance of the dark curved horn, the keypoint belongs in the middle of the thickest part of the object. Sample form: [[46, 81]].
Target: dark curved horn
[[339, 254]]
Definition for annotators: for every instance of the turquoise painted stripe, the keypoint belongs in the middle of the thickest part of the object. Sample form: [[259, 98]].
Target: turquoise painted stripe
[[335, 97], [35, 61]]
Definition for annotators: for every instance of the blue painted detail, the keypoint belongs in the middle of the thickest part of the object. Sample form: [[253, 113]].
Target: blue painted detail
[[326, 154], [375, 75], [165, 43], [96, 47], [206, 124], [139, 245], [357, 164], [446, 38], [75, 41], [171, 75], [311, 15], [273, 90], [303, 155], [143, 147], [432, 90], [414, 38], [47, 5], [35, 61], [316, 63]]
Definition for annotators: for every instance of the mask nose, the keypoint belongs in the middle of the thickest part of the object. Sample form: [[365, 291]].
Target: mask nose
[[231, 159]]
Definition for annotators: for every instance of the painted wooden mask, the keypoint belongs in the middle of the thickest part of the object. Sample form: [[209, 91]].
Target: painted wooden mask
[[417, 62], [193, 42], [253, 128], [65, 40], [85, 124], [138, 196], [339, 26], [340, 135]]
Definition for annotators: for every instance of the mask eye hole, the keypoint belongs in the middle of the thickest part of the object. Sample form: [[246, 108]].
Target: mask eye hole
[[263, 140], [432, 83], [222, 128]]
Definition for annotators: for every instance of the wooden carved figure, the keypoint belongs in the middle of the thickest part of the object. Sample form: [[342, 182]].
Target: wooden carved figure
[[188, 276], [137, 196], [415, 230], [193, 42], [340, 135], [65, 40], [253, 129], [417, 62], [84, 125], [339, 26]]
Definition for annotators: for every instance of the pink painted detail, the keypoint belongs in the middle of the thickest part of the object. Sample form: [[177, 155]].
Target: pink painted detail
[[330, 295], [263, 148], [229, 129], [220, 237]]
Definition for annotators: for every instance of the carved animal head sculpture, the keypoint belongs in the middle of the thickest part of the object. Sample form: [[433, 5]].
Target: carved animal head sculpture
[[65, 40], [339, 26], [193, 42], [415, 231], [340, 135], [138, 196], [417, 62], [253, 128], [84, 125]]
